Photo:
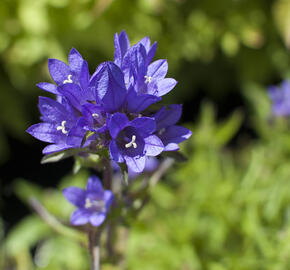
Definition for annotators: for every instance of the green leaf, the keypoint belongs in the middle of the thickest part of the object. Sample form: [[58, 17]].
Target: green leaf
[[229, 128], [26, 234], [25, 190], [61, 253], [282, 18], [59, 156], [54, 157]]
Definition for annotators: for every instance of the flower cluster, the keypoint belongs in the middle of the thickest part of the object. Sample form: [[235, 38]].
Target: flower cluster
[[109, 109], [280, 97]]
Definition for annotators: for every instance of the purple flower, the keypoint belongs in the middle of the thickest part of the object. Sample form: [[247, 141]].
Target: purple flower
[[111, 92], [133, 140], [135, 61], [280, 97], [106, 89], [76, 72], [169, 133], [154, 81], [58, 119], [93, 119], [93, 203], [122, 45]]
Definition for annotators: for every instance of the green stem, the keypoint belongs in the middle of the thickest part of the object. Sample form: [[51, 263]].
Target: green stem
[[94, 248], [111, 224], [107, 174]]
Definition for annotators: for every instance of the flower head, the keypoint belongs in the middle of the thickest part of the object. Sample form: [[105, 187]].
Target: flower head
[[92, 204], [108, 111]]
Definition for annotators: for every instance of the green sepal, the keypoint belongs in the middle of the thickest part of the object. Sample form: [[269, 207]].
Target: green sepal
[[77, 165], [86, 137]]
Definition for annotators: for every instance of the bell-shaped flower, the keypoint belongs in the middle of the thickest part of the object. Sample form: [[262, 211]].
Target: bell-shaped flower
[[122, 45], [106, 90], [58, 119], [154, 81], [110, 89], [135, 62], [76, 95], [133, 140], [93, 203], [169, 133], [76, 72], [112, 94]]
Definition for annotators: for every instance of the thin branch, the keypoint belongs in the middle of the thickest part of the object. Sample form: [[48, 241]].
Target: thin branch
[[110, 225], [52, 221], [151, 182], [165, 165]]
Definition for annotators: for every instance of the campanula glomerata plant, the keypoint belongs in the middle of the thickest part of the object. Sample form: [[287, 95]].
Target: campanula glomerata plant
[[115, 113]]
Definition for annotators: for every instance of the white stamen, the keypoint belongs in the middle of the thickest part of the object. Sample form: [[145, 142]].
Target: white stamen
[[95, 115], [62, 127], [88, 203], [95, 204], [69, 80], [147, 79], [132, 143]]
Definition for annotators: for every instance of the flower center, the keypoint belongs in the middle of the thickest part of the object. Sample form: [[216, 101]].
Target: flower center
[[69, 80], [96, 204], [95, 115], [62, 127], [161, 131], [132, 142], [148, 79]]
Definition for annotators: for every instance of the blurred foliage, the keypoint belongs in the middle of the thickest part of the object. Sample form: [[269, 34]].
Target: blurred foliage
[[222, 209]]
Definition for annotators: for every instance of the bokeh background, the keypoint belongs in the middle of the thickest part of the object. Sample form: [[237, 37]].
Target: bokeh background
[[228, 206]]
